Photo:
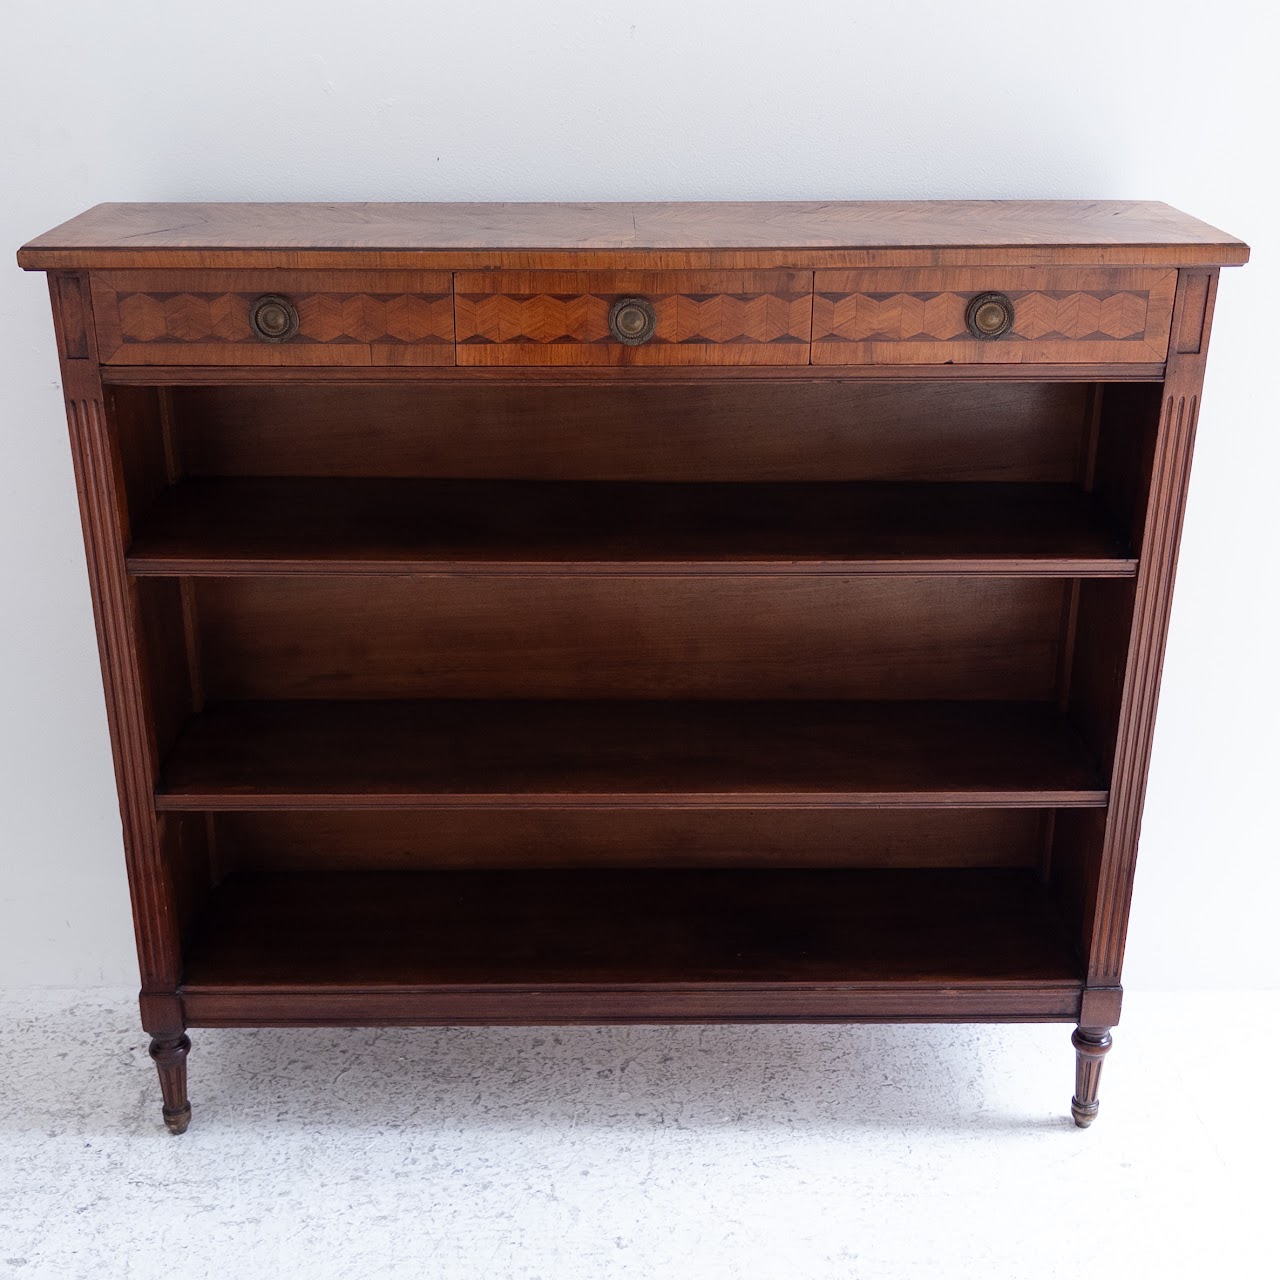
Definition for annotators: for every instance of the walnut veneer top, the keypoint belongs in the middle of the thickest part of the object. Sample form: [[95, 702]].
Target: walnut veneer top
[[659, 235]]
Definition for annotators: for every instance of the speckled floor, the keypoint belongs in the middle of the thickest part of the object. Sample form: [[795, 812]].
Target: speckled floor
[[778, 1152]]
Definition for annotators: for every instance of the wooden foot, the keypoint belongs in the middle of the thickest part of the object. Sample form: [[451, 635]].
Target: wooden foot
[[1092, 1044], [170, 1055]]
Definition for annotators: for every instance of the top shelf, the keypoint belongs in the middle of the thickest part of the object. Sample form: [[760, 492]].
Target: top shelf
[[257, 527]]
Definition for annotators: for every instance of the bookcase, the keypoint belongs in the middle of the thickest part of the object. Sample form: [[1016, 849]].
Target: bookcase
[[631, 613]]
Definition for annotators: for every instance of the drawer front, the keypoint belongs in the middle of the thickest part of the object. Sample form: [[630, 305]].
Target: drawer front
[[694, 318], [330, 318], [1058, 316]]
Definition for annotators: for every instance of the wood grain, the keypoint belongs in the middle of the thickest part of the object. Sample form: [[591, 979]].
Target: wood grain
[[656, 236]]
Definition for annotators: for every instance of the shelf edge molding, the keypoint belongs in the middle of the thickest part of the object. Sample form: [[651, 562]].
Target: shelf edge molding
[[555, 754]]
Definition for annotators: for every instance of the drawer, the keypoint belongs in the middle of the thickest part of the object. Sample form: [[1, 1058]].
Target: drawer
[[633, 317], [1049, 316], [274, 317]]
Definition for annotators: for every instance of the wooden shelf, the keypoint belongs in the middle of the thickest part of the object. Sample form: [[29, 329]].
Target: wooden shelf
[[248, 526], [612, 754], [617, 945]]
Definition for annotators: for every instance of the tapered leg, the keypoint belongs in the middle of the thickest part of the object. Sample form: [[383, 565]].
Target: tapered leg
[[170, 1054], [1092, 1044]]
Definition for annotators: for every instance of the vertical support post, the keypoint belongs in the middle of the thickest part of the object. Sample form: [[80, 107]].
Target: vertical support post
[[104, 518], [1158, 561]]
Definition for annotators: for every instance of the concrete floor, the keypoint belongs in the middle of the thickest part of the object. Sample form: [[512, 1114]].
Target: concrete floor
[[784, 1153]]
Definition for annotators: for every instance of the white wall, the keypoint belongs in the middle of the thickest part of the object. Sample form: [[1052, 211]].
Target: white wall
[[722, 99]]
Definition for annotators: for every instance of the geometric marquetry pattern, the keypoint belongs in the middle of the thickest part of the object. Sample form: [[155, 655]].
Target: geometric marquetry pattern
[[361, 318], [1077, 315], [682, 318]]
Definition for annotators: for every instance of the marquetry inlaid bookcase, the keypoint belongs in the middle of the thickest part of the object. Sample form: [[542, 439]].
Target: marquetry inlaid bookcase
[[631, 613]]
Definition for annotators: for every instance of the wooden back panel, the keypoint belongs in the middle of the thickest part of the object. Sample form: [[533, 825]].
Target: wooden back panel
[[866, 430], [602, 637], [406, 839]]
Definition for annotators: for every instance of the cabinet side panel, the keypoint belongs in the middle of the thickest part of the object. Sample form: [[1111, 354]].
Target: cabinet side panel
[[1129, 425], [100, 489], [1078, 837], [1161, 534], [163, 656], [1104, 622], [136, 420]]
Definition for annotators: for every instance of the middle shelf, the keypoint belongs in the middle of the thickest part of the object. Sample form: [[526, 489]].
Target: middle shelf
[[691, 754], [296, 525]]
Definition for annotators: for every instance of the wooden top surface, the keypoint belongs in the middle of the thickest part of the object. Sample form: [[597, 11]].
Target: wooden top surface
[[661, 235]]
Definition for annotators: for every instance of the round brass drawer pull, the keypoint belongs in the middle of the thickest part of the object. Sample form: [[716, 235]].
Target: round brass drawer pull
[[273, 318], [632, 320], [989, 315]]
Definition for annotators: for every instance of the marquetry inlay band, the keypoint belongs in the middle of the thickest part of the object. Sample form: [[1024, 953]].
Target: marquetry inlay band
[[1077, 315], [679, 318], [359, 318]]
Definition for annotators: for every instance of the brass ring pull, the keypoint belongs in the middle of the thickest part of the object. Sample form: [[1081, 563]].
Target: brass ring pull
[[273, 318], [989, 315], [632, 320]]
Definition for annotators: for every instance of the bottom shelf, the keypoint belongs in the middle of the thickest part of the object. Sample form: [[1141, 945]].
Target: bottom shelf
[[629, 945]]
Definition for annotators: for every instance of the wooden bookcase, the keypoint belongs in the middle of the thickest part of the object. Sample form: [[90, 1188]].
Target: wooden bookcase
[[631, 613]]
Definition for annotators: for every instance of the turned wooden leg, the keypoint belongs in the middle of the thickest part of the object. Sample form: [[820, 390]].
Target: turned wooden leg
[[1092, 1044], [170, 1055]]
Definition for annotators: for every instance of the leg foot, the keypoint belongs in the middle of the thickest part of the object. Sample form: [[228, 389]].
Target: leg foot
[[1092, 1044], [170, 1056]]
